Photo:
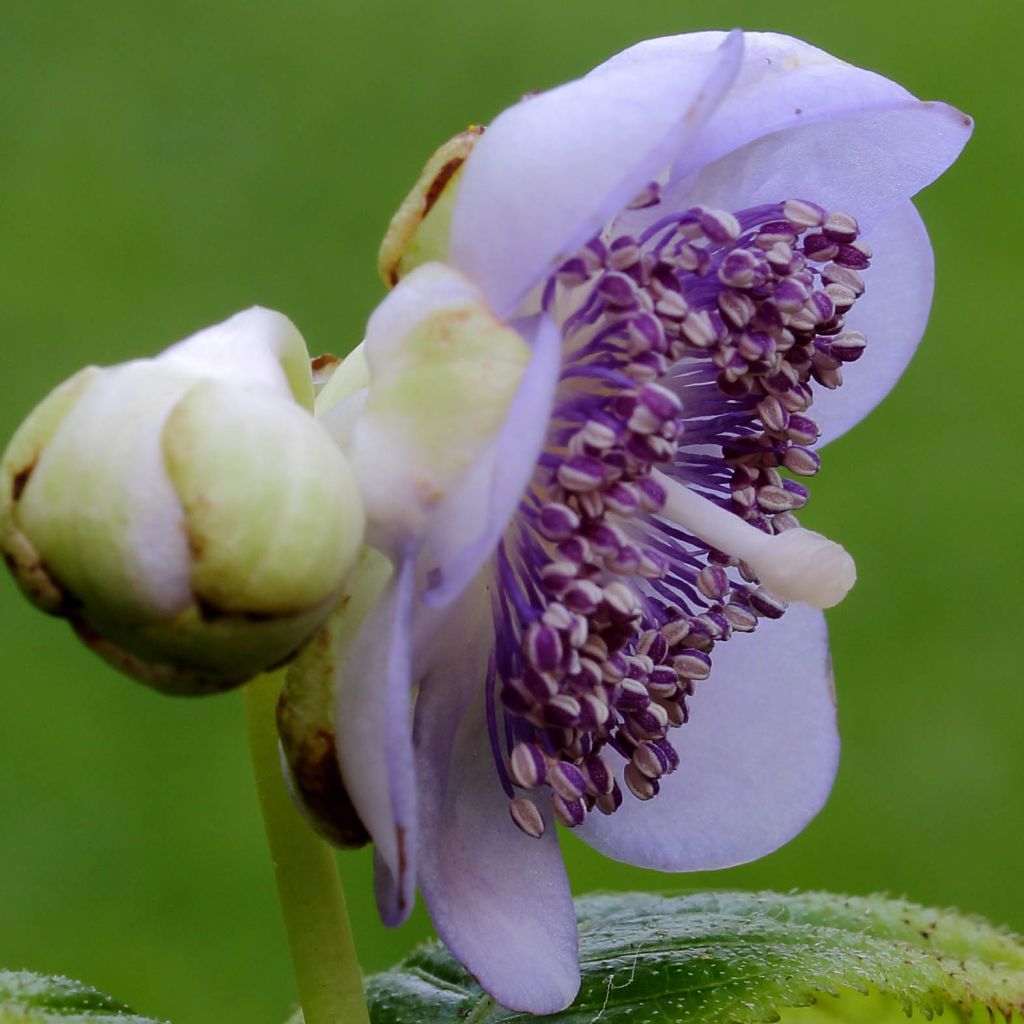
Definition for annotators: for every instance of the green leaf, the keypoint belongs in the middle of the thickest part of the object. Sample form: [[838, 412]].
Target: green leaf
[[37, 999], [742, 958]]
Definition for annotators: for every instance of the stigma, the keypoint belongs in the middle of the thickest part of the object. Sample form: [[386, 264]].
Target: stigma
[[661, 518]]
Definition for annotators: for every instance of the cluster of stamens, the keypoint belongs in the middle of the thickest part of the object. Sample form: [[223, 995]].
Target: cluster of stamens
[[689, 354]]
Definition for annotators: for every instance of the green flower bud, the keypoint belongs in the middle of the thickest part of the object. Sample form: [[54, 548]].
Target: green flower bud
[[186, 514], [418, 232]]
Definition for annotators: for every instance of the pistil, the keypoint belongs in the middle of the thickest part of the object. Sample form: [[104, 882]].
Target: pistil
[[796, 565]]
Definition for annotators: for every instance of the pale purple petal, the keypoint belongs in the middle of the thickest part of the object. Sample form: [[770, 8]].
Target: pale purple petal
[[552, 170], [892, 314], [757, 758], [464, 531], [864, 162], [798, 122], [500, 900], [374, 742]]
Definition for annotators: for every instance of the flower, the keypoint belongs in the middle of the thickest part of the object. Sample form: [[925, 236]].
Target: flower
[[186, 514], [621, 348]]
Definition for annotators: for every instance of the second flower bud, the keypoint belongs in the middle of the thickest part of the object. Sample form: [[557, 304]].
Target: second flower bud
[[186, 514]]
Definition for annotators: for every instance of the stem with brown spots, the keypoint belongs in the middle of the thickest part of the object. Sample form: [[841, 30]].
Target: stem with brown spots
[[308, 884]]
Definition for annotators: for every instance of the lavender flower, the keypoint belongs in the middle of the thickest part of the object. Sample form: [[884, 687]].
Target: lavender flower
[[581, 441]]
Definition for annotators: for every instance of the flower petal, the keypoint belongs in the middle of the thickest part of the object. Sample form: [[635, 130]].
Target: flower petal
[[757, 758], [373, 712], [552, 170], [800, 123], [864, 164], [500, 900], [892, 314], [464, 531]]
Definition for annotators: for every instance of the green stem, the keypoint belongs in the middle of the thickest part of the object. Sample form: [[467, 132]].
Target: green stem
[[326, 970]]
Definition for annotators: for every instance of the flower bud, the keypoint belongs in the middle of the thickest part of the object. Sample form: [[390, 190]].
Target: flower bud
[[186, 514], [418, 232]]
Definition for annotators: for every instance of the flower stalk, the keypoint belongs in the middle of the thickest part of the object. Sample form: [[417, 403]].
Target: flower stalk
[[308, 884]]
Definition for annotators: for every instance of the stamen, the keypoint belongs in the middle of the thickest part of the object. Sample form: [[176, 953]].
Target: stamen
[[658, 521], [797, 565]]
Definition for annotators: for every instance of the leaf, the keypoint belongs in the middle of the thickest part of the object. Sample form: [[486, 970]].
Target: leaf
[[742, 958], [27, 998]]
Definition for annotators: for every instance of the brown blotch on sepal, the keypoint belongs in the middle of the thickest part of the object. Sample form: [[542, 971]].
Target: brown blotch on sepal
[[306, 709], [305, 726]]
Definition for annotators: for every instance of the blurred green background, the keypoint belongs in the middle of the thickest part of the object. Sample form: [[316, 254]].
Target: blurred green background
[[164, 165]]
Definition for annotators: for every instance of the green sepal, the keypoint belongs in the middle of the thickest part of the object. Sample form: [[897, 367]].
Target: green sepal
[[27, 998], [742, 958]]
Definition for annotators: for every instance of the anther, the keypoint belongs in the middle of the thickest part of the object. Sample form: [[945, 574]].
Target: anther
[[669, 753], [672, 305], [840, 227], [736, 308], [621, 599], [562, 710], [623, 253], [692, 664], [801, 461], [699, 330], [528, 765], [712, 582], [650, 761], [594, 710], [650, 723], [642, 787], [609, 803], [543, 647], [650, 196], [848, 346], [820, 248], [850, 279], [569, 812], [525, 814], [617, 290], [767, 604], [599, 778], [803, 429], [581, 473], [557, 521], [718, 225], [802, 214], [566, 780], [633, 696]]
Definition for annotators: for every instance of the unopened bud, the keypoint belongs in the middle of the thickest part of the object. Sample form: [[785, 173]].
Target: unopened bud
[[186, 514], [418, 232]]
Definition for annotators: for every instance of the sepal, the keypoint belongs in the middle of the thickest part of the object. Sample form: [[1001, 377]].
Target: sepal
[[418, 232]]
